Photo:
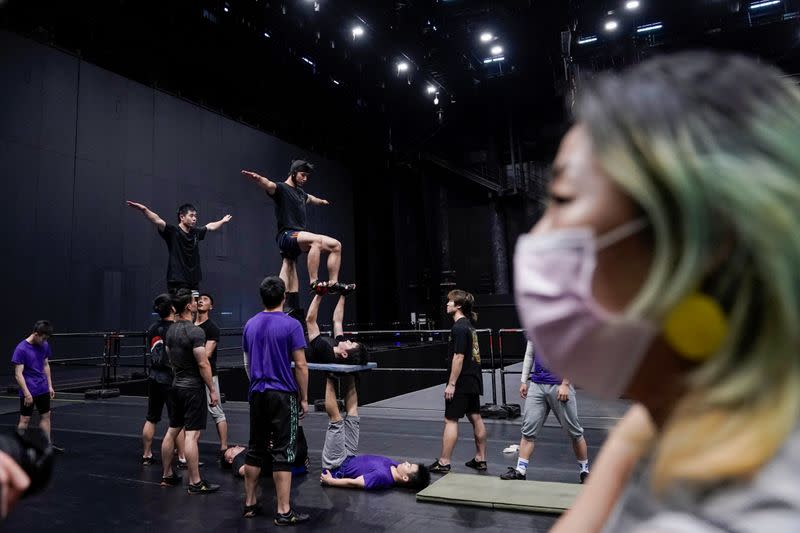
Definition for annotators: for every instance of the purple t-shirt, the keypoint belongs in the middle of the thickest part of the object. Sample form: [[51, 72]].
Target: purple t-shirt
[[32, 356], [542, 375], [269, 340], [376, 469]]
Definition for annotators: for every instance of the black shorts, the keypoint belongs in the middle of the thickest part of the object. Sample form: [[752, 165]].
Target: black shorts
[[41, 401], [462, 404], [288, 245], [273, 419], [157, 397], [189, 410]]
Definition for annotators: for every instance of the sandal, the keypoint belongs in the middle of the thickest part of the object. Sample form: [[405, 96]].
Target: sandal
[[341, 288], [477, 465], [251, 511], [320, 287]]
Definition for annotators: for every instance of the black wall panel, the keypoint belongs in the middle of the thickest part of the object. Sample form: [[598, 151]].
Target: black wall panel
[[76, 141]]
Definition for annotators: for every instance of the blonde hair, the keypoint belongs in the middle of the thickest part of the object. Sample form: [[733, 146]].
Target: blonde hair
[[708, 145]]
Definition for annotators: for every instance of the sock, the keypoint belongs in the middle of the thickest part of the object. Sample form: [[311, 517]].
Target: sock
[[583, 465], [522, 466]]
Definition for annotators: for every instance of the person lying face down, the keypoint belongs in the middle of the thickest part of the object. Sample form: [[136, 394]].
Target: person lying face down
[[341, 464]]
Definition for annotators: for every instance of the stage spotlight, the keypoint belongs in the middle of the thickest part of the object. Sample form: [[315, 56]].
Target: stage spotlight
[[496, 50], [486, 37], [431, 89], [436, 100], [266, 34], [358, 31], [402, 66], [632, 5], [611, 25]]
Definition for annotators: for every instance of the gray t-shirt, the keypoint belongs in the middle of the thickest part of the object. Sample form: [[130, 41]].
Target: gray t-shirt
[[182, 338], [770, 502]]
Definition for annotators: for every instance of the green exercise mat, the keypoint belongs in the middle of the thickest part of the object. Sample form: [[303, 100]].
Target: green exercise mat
[[493, 492]]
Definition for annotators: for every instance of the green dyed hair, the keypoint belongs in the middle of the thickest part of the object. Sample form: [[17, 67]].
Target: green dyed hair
[[708, 145]]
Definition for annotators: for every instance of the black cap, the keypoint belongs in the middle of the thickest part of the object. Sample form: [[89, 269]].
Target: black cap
[[298, 165]]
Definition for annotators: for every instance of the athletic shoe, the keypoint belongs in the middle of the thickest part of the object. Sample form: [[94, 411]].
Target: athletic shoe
[[202, 487], [171, 481], [57, 449], [291, 518], [513, 473], [183, 465], [477, 465], [584, 475], [251, 511], [438, 468], [149, 461]]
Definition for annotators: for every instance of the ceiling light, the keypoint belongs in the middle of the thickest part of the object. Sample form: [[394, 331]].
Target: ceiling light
[[335, 82], [611, 25], [496, 50], [632, 4], [358, 31], [486, 37], [307, 60], [649, 27], [266, 34], [226, 8], [436, 100], [494, 59], [764, 3], [431, 89], [587, 39], [402, 66]]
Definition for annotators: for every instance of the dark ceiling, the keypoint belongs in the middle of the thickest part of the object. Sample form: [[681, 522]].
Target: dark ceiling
[[293, 67]]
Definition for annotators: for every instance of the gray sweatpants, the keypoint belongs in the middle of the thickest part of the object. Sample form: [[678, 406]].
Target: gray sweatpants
[[341, 442]]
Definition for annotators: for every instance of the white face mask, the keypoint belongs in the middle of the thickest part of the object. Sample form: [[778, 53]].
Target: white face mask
[[576, 338]]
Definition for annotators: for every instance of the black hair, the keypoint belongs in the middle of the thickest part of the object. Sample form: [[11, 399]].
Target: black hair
[[43, 327], [163, 305], [465, 301], [420, 479], [298, 165], [358, 355], [272, 290], [209, 297], [181, 299], [185, 208]]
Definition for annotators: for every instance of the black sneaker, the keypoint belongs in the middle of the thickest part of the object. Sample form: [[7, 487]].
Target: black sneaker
[[57, 449], [183, 465], [513, 473], [291, 518], [477, 465], [584, 475], [171, 481], [203, 487], [149, 461], [251, 511], [438, 468]]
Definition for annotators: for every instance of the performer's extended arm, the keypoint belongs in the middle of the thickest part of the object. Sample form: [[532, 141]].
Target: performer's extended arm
[[150, 215], [261, 181]]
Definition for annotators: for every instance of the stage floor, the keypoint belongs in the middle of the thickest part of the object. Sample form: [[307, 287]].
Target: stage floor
[[99, 482]]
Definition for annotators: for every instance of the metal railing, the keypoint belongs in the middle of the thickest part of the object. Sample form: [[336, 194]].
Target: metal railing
[[128, 349]]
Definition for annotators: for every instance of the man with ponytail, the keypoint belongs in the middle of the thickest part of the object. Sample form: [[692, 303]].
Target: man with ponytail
[[464, 383]]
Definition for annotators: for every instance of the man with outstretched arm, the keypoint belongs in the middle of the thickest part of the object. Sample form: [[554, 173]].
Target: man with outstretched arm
[[271, 341], [183, 245], [293, 239]]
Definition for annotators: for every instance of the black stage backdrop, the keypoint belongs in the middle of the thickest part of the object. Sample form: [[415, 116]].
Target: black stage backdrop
[[76, 141]]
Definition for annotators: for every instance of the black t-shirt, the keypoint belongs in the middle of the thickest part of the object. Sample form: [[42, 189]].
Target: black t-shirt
[[464, 340], [184, 254], [320, 350], [158, 331], [212, 334], [290, 207], [182, 338]]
